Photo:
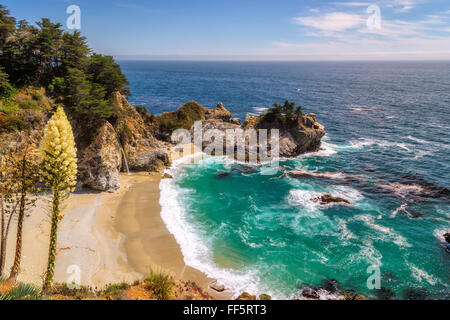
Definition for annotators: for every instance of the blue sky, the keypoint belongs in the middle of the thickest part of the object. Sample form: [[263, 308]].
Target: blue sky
[[254, 29]]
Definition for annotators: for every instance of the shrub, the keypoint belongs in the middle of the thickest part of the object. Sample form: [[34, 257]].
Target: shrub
[[36, 96], [115, 290], [183, 118], [82, 292], [160, 283], [23, 292], [124, 134], [11, 122]]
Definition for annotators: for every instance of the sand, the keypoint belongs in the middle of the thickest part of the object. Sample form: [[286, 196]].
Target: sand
[[106, 238]]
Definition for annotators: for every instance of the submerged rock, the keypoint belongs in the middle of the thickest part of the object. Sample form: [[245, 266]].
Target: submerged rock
[[223, 175], [415, 294], [331, 285], [384, 294], [328, 198]]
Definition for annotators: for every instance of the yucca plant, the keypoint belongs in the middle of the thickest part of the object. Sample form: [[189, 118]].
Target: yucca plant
[[59, 173], [22, 292], [160, 283]]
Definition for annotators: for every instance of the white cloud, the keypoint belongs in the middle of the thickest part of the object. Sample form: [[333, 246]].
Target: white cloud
[[353, 4], [337, 21], [402, 5]]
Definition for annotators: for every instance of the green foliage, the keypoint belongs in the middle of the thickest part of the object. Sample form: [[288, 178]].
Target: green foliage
[[23, 292], [6, 89], [12, 122], [283, 112], [81, 96], [115, 290], [160, 283], [124, 134], [47, 56], [105, 72], [183, 118], [148, 117], [79, 292]]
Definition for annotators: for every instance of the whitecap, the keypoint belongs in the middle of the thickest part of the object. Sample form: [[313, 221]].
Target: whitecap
[[387, 234], [421, 275], [194, 248]]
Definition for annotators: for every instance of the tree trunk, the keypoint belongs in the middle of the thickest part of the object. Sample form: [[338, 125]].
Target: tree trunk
[[2, 237], [52, 248], [18, 255], [16, 266], [2, 254]]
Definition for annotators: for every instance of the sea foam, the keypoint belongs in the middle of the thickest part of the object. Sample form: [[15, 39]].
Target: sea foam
[[195, 252]]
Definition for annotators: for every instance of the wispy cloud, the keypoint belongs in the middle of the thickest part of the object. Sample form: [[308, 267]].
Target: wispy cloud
[[336, 21]]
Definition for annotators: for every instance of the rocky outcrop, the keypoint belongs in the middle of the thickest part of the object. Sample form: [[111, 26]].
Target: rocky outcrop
[[329, 199], [100, 165], [246, 296], [143, 151], [298, 134], [142, 140]]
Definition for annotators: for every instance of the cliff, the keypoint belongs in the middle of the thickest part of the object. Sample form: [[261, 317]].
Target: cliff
[[139, 141]]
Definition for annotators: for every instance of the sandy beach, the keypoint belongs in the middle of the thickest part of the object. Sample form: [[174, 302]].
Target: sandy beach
[[106, 238]]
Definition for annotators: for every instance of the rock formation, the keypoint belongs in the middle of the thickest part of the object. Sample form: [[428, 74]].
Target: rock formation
[[142, 141], [328, 199], [100, 164]]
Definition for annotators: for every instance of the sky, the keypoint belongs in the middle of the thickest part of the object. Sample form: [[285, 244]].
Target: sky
[[256, 29]]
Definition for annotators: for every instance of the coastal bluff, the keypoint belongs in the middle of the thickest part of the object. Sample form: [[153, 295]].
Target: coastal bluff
[[139, 141]]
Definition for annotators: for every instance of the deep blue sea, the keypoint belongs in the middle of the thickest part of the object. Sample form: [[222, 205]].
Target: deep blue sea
[[387, 150]]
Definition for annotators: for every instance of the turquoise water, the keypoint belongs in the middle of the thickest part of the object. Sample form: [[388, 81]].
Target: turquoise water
[[386, 150]]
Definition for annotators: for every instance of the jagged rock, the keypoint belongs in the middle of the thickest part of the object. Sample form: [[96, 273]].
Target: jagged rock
[[99, 167], [331, 285], [219, 113], [167, 176], [447, 237], [310, 293], [328, 198], [264, 297], [235, 121], [143, 151], [246, 296], [250, 122]]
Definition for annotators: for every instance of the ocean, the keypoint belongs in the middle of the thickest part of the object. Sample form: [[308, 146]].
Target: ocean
[[386, 150]]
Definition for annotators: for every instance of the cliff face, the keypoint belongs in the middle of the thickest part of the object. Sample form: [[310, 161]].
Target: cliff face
[[142, 141], [298, 135]]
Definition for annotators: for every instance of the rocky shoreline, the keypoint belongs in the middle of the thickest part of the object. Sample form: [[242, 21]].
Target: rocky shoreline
[[140, 142]]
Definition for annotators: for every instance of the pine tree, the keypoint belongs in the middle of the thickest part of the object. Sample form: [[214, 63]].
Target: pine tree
[[59, 171]]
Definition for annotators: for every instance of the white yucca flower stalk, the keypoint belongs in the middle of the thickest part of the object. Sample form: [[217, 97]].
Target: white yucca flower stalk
[[59, 174]]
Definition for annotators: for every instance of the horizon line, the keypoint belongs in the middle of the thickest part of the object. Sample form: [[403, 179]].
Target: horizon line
[[248, 58]]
